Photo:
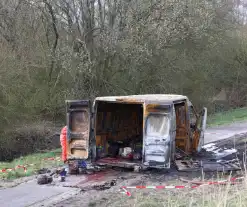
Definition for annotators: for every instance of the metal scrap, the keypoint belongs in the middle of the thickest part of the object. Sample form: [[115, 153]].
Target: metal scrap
[[106, 185], [208, 166], [188, 165]]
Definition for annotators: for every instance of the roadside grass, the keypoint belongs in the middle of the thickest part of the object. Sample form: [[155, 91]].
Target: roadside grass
[[228, 117], [204, 196], [32, 162]]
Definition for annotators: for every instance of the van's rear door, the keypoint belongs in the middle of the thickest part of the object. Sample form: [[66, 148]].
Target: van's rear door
[[159, 137], [79, 127]]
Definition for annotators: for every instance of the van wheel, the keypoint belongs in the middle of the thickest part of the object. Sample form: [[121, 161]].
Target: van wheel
[[137, 168]]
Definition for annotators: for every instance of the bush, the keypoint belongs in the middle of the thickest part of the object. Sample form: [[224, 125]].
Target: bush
[[28, 139]]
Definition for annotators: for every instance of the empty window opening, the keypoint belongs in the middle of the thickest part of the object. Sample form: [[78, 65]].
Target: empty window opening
[[158, 125]]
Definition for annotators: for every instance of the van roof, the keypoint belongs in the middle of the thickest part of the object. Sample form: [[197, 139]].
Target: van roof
[[166, 98]]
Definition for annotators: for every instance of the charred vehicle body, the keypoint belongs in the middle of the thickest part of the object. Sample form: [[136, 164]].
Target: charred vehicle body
[[137, 131]]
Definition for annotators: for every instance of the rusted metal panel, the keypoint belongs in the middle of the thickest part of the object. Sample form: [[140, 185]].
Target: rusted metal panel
[[150, 108], [169, 98], [182, 128], [117, 162], [78, 122]]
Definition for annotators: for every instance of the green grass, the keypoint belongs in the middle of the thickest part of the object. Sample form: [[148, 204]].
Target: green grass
[[234, 115], [37, 162], [226, 196], [204, 196]]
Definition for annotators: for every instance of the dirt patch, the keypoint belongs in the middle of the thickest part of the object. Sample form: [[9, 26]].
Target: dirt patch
[[101, 197], [140, 197]]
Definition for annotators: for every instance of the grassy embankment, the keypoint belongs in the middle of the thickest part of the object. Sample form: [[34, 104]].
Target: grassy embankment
[[32, 162], [234, 115]]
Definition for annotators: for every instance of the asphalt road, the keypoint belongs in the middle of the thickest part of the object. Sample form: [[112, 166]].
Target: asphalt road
[[27, 194], [224, 132], [31, 194]]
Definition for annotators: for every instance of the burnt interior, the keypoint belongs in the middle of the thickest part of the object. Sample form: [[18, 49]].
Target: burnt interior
[[119, 126]]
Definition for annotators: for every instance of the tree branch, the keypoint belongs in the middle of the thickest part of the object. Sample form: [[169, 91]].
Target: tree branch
[[54, 47]]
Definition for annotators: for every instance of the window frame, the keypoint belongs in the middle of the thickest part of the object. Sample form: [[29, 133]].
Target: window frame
[[158, 113]]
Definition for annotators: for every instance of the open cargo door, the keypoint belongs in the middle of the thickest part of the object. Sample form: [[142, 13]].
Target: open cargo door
[[199, 129], [79, 127], [202, 127], [159, 138]]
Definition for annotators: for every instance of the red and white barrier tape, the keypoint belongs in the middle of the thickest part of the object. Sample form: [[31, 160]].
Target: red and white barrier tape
[[123, 189], [13, 169], [125, 192], [53, 158], [6, 170]]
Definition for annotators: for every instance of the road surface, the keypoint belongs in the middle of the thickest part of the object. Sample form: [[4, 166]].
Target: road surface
[[31, 194], [27, 194], [223, 132]]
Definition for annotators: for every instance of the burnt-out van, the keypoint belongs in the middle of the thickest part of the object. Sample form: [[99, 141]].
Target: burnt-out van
[[139, 131]]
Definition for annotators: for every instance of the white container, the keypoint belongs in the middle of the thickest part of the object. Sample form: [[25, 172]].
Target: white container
[[126, 151]]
